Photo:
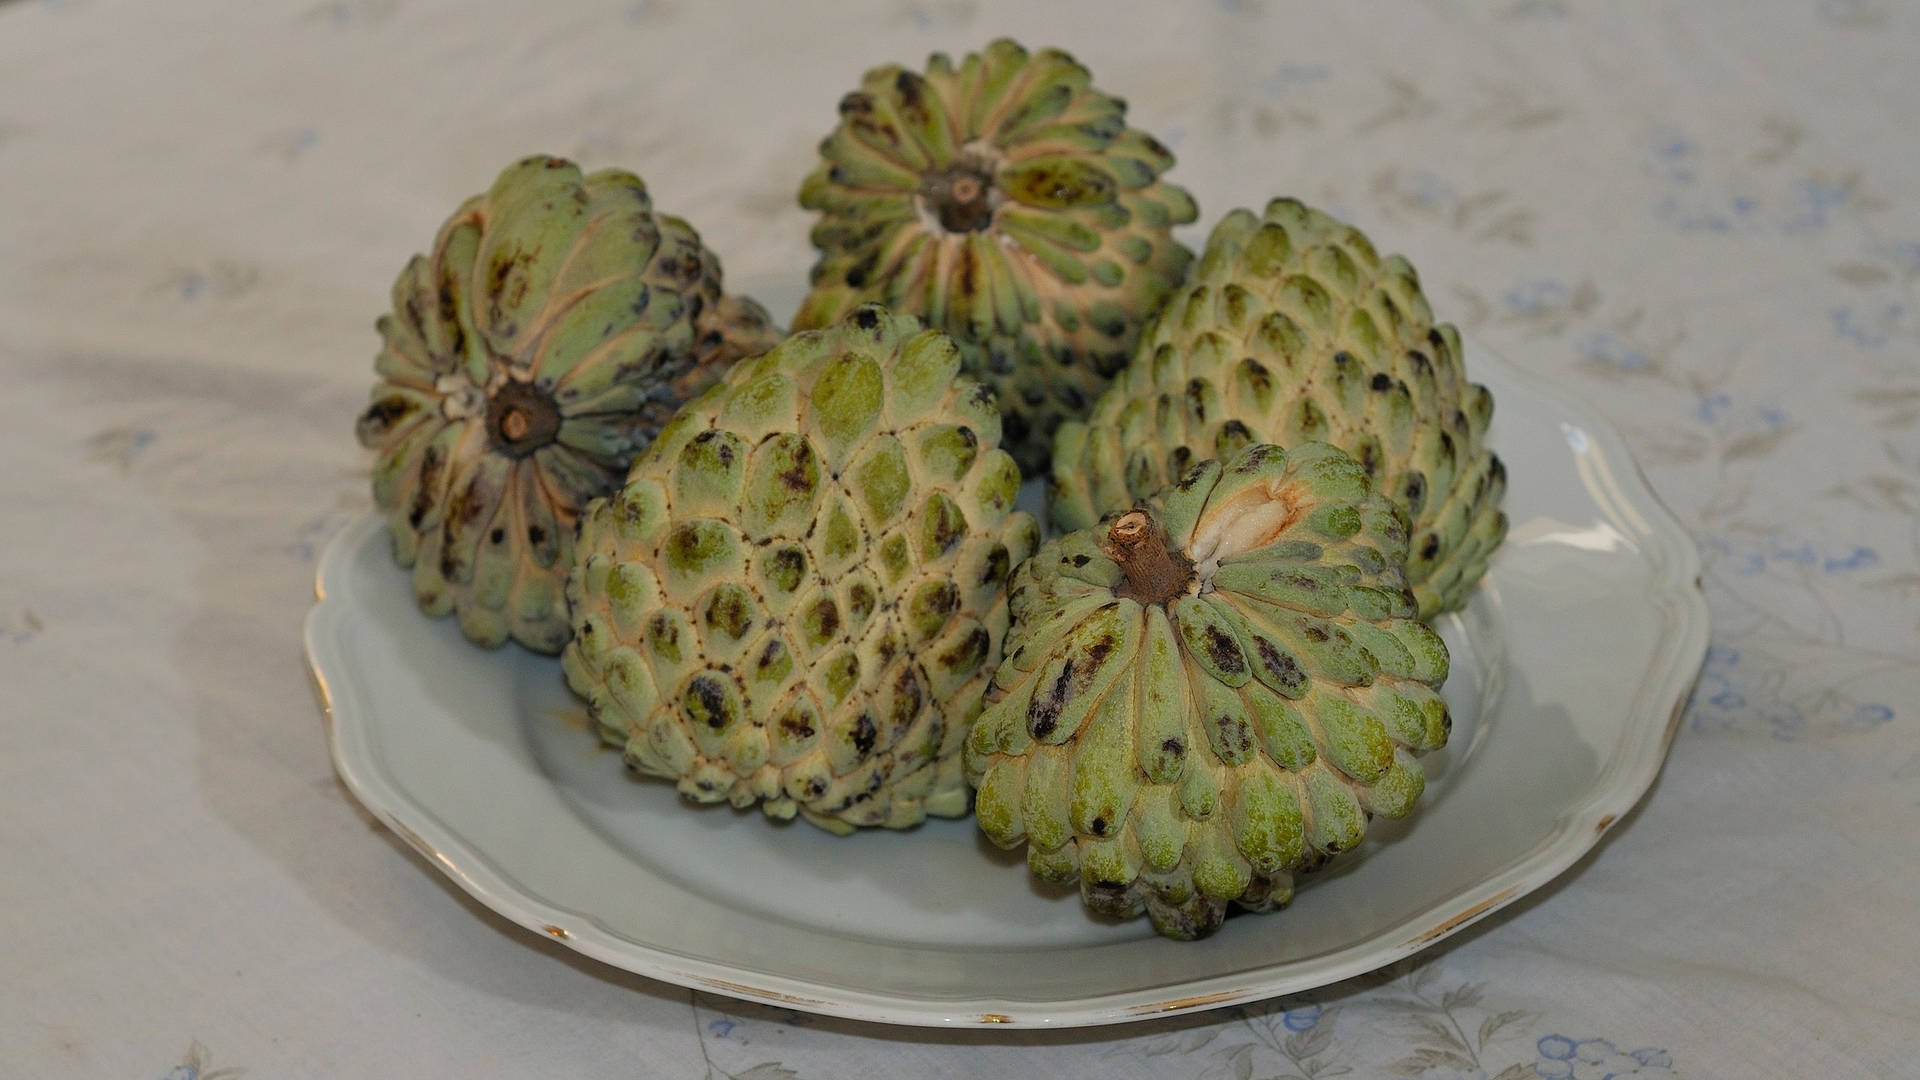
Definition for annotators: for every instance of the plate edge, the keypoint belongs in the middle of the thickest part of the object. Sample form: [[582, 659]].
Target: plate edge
[[1685, 600]]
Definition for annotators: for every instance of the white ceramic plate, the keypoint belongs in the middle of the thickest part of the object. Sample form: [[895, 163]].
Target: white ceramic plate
[[1570, 666]]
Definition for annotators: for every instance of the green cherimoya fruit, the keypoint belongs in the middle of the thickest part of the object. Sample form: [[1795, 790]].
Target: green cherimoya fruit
[[1292, 328], [555, 326], [800, 595], [1211, 692], [1008, 203]]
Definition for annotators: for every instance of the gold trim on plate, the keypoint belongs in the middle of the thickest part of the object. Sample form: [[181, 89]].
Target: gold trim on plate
[[1477, 909]]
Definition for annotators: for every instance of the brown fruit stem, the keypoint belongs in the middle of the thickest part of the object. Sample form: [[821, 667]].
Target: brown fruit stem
[[961, 197], [521, 418], [1154, 574]]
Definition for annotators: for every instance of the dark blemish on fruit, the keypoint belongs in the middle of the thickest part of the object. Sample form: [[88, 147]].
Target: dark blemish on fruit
[[789, 562], [865, 734], [1224, 652], [968, 285], [911, 89], [856, 275], [1280, 664], [1234, 732], [1381, 381], [997, 565], [725, 452], [382, 414], [1081, 560], [968, 654], [866, 318], [1044, 714], [861, 599], [1173, 746], [798, 476], [707, 696], [826, 619], [946, 533], [1098, 652], [1099, 826], [907, 699], [1315, 634], [498, 535], [728, 613], [1431, 548]]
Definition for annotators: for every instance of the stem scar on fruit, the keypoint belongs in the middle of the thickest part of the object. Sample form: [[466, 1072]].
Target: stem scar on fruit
[[1154, 574]]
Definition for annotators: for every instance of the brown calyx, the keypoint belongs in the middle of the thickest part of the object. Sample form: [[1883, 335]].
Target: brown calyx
[[521, 418], [961, 197], [1155, 575]]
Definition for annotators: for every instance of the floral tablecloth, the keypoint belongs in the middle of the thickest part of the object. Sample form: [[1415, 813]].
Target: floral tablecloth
[[1701, 217]]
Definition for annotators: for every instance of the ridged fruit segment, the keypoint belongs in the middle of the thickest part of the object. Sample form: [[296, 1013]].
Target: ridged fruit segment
[[1212, 692], [555, 326], [1005, 201], [799, 597], [1293, 328]]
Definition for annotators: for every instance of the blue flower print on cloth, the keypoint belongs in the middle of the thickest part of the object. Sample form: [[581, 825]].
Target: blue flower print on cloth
[[1562, 1058]]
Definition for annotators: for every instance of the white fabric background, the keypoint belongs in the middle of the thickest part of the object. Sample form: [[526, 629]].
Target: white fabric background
[[1701, 217]]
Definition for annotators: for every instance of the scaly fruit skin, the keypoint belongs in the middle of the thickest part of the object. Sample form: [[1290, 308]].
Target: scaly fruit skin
[[1292, 328], [1008, 203], [554, 328], [800, 595], [1211, 692]]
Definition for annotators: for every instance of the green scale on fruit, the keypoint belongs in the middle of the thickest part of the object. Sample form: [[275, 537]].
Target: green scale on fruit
[[1212, 692], [1007, 202], [799, 597], [1292, 328], [555, 326]]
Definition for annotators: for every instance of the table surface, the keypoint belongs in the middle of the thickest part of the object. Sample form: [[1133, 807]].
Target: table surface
[[1702, 218]]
